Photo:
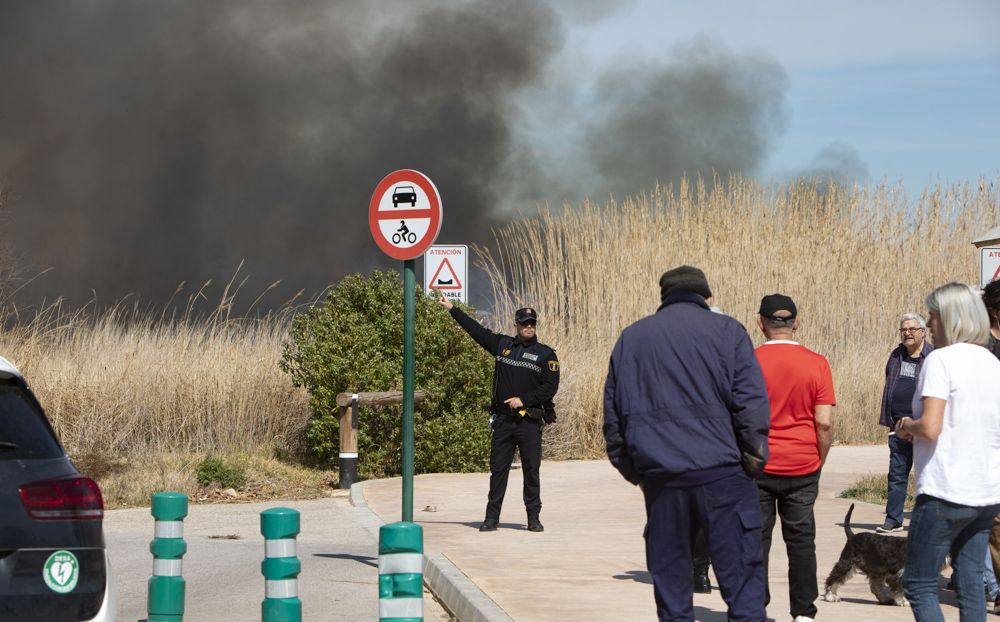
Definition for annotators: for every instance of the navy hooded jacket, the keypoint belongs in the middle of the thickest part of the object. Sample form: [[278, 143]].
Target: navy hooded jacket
[[685, 400]]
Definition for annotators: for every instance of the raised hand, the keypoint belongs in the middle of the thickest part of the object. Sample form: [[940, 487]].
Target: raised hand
[[444, 302]]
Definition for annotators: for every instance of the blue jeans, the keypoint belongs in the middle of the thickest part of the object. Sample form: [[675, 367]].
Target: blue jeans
[[938, 527], [900, 463]]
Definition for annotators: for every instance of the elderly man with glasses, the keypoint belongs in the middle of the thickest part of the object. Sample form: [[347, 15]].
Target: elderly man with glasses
[[901, 373]]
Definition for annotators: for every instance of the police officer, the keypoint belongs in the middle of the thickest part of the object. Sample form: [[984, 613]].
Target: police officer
[[525, 379]]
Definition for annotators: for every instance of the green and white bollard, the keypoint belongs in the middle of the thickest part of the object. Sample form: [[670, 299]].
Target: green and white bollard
[[165, 598], [280, 567], [400, 572]]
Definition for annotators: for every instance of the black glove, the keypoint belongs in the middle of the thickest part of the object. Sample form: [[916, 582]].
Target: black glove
[[753, 465]]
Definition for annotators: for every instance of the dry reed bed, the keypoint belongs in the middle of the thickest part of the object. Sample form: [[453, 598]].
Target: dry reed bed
[[853, 260], [128, 383]]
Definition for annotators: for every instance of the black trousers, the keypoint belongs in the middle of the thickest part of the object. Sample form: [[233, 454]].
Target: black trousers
[[792, 498], [526, 435], [699, 552]]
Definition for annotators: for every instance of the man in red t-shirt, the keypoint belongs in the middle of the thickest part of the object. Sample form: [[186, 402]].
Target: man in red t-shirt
[[800, 389]]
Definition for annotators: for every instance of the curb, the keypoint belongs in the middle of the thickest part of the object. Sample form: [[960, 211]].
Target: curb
[[460, 595]]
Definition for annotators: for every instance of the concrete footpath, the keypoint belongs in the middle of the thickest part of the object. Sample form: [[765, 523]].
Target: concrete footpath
[[589, 564]]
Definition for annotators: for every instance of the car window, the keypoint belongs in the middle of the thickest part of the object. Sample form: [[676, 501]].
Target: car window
[[24, 432]]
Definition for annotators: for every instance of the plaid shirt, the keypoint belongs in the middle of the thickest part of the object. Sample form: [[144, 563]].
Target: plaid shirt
[[892, 374]]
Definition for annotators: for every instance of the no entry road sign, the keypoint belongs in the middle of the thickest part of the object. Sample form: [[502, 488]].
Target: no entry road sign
[[405, 214]]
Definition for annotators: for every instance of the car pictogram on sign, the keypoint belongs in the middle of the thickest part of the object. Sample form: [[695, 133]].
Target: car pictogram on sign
[[404, 194]]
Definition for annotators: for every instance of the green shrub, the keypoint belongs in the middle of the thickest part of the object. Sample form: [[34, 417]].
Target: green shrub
[[354, 342], [213, 470]]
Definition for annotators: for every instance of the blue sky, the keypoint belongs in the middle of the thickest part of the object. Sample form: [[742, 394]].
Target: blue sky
[[912, 87]]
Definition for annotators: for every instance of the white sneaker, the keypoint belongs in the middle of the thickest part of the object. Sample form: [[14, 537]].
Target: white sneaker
[[803, 619]]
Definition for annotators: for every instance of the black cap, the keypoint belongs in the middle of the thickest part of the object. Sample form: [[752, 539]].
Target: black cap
[[684, 279], [772, 304], [525, 314]]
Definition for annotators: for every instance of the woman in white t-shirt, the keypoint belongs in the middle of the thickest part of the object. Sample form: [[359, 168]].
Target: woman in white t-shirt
[[956, 454]]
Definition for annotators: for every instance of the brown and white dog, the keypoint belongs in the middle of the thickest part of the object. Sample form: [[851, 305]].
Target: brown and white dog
[[880, 558]]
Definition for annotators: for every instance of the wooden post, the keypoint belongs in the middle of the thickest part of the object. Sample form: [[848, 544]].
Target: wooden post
[[349, 403], [349, 442]]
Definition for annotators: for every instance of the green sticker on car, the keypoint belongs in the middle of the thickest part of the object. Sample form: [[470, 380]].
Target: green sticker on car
[[61, 572]]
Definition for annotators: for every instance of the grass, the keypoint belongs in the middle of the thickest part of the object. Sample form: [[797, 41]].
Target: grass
[[124, 382], [129, 482], [853, 259], [141, 398], [873, 488]]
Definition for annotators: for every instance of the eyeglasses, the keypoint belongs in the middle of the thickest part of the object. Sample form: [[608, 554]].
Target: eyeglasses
[[909, 331], [526, 323]]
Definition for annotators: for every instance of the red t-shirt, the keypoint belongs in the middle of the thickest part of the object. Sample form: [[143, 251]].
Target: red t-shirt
[[797, 379]]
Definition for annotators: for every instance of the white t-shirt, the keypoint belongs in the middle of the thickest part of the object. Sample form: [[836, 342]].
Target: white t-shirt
[[963, 465]]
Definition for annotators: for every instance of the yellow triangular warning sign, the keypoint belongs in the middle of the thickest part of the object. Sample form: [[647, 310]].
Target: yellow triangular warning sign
[[445, 279]]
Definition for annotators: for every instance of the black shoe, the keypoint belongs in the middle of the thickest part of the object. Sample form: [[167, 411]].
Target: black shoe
[[535, 525], [490, 524], [889, 527], [701, 583]]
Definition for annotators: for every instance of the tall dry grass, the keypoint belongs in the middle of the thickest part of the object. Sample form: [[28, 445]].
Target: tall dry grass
[[132, 383], [852, 258], [136, 385]]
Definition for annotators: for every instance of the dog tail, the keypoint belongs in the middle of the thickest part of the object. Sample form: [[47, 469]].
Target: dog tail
[[847, 522]]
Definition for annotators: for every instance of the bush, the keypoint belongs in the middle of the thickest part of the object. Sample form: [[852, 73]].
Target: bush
[[214, 471], [354, 342]]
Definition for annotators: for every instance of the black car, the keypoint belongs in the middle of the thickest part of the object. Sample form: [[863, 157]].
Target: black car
[[53, 563], [404, 194]]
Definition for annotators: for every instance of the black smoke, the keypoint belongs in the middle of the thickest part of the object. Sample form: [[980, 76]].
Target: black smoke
[[837, 163], [149, 143], [705, 110]]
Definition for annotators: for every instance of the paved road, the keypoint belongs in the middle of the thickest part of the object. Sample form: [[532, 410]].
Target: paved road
[[589, 564], [338, 547]]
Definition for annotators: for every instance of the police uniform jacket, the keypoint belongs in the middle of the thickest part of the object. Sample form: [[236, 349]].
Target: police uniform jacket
[[524, 368]]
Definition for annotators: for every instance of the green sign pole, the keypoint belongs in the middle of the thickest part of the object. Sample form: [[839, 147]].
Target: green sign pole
[[409, 287]]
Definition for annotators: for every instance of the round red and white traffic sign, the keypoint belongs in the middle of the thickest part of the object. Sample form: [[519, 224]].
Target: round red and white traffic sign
[[405, 214]]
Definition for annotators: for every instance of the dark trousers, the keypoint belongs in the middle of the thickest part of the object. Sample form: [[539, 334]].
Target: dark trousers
[[900, 463], [700, 551], [792, 498], [729, 512], [526, 435]]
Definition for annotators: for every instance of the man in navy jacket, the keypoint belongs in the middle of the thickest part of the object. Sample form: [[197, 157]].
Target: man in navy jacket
[[686, 418]]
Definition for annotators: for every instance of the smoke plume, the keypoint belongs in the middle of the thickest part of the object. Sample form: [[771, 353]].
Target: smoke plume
[[150, 143], [837, 162], [704, 111]]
